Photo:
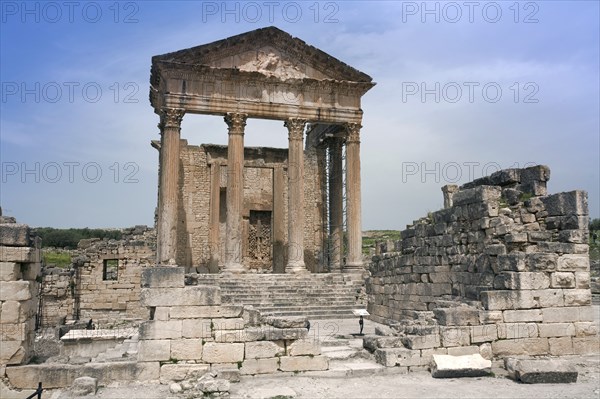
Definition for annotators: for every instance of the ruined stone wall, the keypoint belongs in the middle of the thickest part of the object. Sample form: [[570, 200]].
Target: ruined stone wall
[[190, 331], [20, 265], [58, 300], [504, 264]]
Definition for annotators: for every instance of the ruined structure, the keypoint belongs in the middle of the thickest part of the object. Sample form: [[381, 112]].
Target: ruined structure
[[502, 270], [269, 210]]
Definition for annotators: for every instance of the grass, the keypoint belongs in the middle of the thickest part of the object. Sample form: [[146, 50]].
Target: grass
[[60, 259]]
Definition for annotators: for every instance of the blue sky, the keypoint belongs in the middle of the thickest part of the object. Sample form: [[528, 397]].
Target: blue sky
[[462, 89]]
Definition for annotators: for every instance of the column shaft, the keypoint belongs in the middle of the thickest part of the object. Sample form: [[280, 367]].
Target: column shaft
[[278, 221], [215, 200], [336, 202], [235, 192], [353, 203], [295, 262], [168, 194]]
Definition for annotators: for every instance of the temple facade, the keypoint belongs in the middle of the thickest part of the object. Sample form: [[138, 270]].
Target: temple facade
[[236, 209]]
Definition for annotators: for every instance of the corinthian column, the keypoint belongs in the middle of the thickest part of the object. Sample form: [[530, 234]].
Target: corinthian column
[[295, 262], [168, 192], [235, 192], [336, 202], [354, 260]]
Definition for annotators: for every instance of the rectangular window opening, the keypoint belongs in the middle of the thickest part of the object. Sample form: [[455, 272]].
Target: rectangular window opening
[[110, 270]]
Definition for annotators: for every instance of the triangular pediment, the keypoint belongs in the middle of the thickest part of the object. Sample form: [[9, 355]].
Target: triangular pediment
[[269, 51]]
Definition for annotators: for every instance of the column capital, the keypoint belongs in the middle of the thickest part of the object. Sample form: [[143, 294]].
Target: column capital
[[236, 122], [353, 131], [170, 117], [295, 128]]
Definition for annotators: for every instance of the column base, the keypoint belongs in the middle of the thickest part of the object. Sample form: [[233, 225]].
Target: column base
[[296, 268], [235, 268], [353, 267]]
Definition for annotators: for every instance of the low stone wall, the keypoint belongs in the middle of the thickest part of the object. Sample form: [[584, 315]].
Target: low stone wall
[[20, 265], [190, 331], [503, 270]]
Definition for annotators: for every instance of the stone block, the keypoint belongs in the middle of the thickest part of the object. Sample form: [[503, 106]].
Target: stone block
[[568, 314], [10, 271], [586, 345], [523, 280], [484, 333], [573, 202], [522, 346], [561, 346], [562, 280], [512, 263], [179, 372], [540, 371], [14, 235], [266, 349], [455, 336], [542, 261], [196, 328], [519, 316], [457, 316], [577, 297], [205, 312], [163, 277], [582, 280], [446, 366], [585, 328], [209, 385], [463, 350], [16, 290], [303, 363], [186, 349], [490, 316], [161, 313], [228, 323], [556, 329], [286, 322], [485, 350], [19, 254], [573, 263], [421, 341], [154, 350], [521, 299], [517, 330], [31, 271], [303, 347], [278, 334], [12, 352], [230, 336], [216, 352], [147, 371], [260, 366], [157, 329], [83, 386], [10, 312], [476, 194], [199, 295]]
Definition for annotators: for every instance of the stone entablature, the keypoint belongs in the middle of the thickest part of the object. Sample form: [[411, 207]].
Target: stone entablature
[[504, 270]]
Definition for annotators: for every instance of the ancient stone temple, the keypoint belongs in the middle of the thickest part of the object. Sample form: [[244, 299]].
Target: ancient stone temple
[[235, 209]]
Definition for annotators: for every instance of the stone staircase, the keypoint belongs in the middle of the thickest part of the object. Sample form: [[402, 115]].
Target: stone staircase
[[316, 296]]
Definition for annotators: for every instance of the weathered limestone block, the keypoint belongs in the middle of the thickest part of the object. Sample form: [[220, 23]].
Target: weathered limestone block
[[277, 334], [196, 328], [512, 262], [198, 295], [457, 316], [373, 342], [31, 271], [582, 280], [303, 363], [83, 386], [19, 254], [477, 194], [463, 350], [156, 329], [302, 347], [154, 350], [421, 341], [521, 299], [490, 316], [562, 280], [446, 366], [561, 346], [586, 345], [16, 290], [228, 323], [573, 263], [205, 312], [484, 333], [573, 202], [540, 371], [163, 277], [455, 336], [216, 352], [260, 366], [522, 346], [10, 271], [14, 235], [518, 316], [541, 261], [287, 322], [573, 236], [186, 349], [10, 312], [12, 352], [522, 281], [517, 330], [264, 349], [209, 385], [568, 314], [585, 328], [230, 336], [556, 329], [180, 372], [577, 297]]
